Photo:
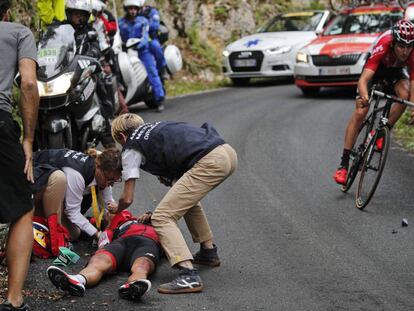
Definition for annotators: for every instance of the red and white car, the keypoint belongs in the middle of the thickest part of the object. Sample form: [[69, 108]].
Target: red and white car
[[336, 58]]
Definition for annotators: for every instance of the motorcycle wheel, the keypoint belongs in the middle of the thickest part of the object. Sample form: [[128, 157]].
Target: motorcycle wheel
[[150, 104], [56, 140], [84, 139]]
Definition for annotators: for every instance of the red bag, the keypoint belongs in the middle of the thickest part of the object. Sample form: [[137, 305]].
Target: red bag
[[48, 236]]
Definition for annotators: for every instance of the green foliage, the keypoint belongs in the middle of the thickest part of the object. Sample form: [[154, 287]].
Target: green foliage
[[316, 5], [221, 13], [405, 132], [182, 87], [208, 57]]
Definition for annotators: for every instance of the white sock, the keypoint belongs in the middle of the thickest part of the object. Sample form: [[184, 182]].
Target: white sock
[[80, 278]]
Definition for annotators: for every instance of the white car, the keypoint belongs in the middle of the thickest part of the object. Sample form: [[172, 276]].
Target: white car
[[271, 52]]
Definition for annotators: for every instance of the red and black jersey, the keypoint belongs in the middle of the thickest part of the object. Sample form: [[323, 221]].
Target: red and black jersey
[[383, 55], [124, 224]]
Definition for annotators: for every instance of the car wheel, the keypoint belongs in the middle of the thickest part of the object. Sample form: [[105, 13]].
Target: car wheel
[[240, 81], [310, 91]]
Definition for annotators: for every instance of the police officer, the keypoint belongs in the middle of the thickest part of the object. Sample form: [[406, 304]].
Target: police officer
[[134, 26], [153, 17]]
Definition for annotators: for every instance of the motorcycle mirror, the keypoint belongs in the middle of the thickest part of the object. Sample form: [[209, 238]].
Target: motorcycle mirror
[[92, 36]]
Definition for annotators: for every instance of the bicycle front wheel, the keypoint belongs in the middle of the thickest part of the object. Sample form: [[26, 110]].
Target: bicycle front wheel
[[372, 167]]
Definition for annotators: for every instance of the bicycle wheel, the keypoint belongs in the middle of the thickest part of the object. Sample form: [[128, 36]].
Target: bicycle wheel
[[337, 5], [372, 167], [356, 156]]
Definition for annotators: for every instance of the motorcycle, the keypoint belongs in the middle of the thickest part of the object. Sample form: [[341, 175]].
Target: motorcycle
[[133, 72], [69, 111]]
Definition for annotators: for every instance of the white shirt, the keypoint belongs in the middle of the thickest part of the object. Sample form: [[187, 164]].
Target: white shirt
[[73, 199], [131, 162]]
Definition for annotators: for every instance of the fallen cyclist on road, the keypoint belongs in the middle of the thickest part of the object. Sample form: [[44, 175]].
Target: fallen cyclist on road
[[128, 244], [388, 63]]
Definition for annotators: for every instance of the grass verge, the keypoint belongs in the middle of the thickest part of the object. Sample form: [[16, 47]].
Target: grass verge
[[183, 86], [404, 133]]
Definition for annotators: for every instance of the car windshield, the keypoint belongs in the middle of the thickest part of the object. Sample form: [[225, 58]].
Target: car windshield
[[307, 21], [55, 50], [367, 22]]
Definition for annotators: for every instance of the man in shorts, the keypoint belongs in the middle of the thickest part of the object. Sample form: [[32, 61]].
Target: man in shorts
[[126, 245], [390, 57], [18, 50]]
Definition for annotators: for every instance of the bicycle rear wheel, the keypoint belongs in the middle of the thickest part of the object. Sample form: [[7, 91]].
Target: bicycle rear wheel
[[372, 167]]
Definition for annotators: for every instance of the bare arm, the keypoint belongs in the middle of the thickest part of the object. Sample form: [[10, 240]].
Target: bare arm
[[127, 196], [29, 105], [366, 76]]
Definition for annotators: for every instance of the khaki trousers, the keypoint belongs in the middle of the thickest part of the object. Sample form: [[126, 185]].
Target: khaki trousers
[[183, 200]]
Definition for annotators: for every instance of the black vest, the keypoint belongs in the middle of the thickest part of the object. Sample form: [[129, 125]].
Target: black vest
[[171, 148], [60, 158]]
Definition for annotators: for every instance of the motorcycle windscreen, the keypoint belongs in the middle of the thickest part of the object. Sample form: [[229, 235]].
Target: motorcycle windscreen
[[56, 50]]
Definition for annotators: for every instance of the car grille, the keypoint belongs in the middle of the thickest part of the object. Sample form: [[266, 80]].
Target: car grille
[[344, 60], [49, 103], [329, 79], [246, 55]]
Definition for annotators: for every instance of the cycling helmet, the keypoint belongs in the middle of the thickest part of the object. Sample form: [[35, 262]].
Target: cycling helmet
[[137, 3], [98, 6], [403, 32]]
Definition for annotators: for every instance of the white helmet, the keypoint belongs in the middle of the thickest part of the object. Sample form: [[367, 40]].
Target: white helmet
[[173, 58], [98, 6], [80, 5], [409, 13], [137, 3]]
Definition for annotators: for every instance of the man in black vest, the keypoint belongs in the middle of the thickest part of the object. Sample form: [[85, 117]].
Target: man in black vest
[[192, 161]]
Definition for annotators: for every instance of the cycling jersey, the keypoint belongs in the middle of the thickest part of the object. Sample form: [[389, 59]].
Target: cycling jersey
[[383, 57]]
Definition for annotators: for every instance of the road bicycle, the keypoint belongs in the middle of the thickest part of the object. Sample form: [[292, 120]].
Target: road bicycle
[[368, 156], [338, 5]]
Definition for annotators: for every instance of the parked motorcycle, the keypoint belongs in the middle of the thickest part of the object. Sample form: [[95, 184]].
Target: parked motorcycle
[[134, 74], [69, 111]]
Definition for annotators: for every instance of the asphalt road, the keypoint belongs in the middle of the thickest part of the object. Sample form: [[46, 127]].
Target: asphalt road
[[288, 238]]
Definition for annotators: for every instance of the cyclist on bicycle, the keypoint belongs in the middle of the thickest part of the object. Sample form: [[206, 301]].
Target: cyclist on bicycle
[[390, 57]]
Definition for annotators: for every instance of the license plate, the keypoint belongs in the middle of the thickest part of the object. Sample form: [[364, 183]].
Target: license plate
[[333, 71], [244, 62]]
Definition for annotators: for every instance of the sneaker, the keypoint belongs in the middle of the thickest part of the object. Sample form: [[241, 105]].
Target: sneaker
[[65, 282], [160, 108], [341, 175], [207, 257], [188, 281], [7, 306], [134, 290]]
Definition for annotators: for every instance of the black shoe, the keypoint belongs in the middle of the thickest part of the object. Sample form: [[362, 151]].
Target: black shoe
[[134, 290], [188, 281], [207, 257], [7, 306], [65, 282]]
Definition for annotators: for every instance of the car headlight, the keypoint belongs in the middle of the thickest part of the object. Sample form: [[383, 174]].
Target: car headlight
[[226, 53], [279, 50], [58, 86], [302, 57]]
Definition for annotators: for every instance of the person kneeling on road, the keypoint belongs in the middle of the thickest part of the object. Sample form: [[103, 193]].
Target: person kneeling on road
[[126, 245]]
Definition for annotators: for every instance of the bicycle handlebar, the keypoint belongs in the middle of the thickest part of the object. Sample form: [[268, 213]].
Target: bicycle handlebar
[[394, 98]]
